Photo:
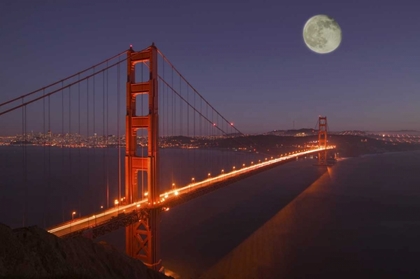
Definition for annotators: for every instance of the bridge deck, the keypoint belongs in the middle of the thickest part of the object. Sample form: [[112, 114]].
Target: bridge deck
[[123, 215]]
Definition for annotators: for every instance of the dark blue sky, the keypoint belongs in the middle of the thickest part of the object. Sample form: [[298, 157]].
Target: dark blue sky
[[247, 58]]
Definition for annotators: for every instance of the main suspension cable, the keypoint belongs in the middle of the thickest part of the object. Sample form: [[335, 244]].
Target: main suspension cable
[[62, 80], [59, 90]]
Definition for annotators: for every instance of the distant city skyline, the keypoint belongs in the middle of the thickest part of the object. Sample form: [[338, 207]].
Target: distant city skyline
[[248, 59]]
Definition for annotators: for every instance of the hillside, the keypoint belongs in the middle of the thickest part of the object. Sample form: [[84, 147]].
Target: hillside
[[31, 252]]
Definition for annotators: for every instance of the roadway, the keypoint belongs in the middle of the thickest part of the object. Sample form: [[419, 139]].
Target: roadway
[[104, 217]]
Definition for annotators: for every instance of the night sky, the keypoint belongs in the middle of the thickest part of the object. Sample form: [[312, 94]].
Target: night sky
[[247, 58]]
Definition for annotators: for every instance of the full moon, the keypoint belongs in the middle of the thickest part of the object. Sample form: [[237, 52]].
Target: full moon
[[322, 34]]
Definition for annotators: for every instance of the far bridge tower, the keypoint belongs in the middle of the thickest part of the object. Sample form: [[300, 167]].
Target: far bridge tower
[[322, 140]]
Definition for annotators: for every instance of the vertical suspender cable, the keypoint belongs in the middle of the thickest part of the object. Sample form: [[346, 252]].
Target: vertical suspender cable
[[94, 107], [49, 147], [69, 146], [162, 106], [167, 112], [180, 122], [188, 128], [95, 138], [212, 131], [62, 152], [94, 141], [107, 134], [173, 116], [195, 138], [26, 170], [200, 118], [180, 109], [104, 148], [23, 139], [208, 138], [44, 156], [88, 145], [173, 103], [118, 131], [79, 143]]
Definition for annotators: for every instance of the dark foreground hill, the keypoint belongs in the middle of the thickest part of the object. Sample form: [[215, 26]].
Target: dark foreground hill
[[31, 252]]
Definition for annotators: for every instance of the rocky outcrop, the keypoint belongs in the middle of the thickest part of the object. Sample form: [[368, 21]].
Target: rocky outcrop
[[32, 252]]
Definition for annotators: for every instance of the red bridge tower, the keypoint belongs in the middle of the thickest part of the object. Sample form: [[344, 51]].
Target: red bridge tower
[[141, 237], [322, 140]]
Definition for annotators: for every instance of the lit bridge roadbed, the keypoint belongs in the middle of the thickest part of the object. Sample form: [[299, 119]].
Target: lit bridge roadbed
[[124, 215]]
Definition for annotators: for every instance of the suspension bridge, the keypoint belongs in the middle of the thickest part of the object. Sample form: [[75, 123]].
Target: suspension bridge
[[75, 128]]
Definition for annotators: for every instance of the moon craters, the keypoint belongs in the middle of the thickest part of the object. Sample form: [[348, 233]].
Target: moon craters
[[322, 34]]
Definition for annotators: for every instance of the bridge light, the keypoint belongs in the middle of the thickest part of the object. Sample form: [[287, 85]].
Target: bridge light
[[116, 202], [146, 193], [231, 123], [102, 206], [243, 165], [192, 179], [166, 195], [209, 174], [72, 215], [138, 205], [252, 163], [234, 167], [223, 170], [176, 193]]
